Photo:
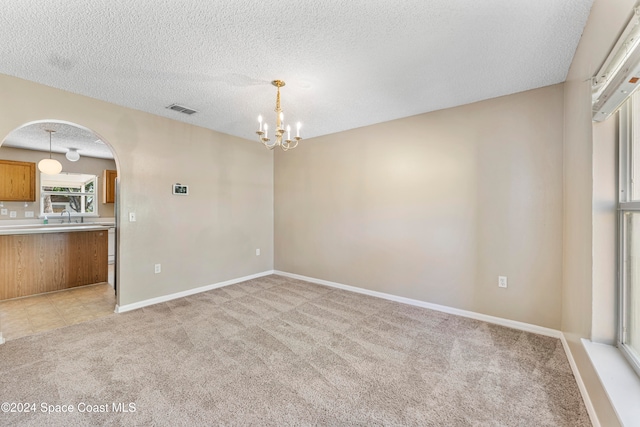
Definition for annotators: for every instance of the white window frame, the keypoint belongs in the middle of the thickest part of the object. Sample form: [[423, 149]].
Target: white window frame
[[43, 193], [626, 186]]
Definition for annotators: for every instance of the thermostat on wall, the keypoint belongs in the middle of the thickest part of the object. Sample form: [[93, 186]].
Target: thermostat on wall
[[181, 190]]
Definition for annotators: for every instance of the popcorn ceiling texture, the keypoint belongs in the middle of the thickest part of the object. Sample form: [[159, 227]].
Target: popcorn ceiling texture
[[346, 64], [35, 137]]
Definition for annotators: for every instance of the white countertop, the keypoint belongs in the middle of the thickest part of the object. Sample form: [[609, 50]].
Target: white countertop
[[53, 228]]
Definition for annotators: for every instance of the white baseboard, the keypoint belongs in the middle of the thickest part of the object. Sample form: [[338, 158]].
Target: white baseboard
[[581, 386], [443, 308], [164, 298]]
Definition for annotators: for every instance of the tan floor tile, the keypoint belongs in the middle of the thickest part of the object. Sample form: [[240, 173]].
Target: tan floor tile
[[38, 299], [75, 303], [12, 312], [45, 318], [26, 316], [5, 305], [70, 317], [16, 324], [58, 297], [23, 318], [40, 311]]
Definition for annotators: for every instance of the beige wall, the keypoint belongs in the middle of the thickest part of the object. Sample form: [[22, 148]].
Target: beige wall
[[605, 192], [204, 238], [434, 207], [87, 165], [587, 205]]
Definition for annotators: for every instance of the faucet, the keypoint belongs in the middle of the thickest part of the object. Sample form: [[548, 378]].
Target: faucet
[[68, 213]]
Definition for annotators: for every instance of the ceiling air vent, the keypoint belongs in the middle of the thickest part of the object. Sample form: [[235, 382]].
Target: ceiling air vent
[[181, 109]]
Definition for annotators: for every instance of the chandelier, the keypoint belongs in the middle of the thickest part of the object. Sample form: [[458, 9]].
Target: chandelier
[[263, 131]]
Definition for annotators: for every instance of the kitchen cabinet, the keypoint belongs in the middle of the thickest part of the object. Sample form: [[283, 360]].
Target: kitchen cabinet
[[45, 262], [109, 186], [17, 181]]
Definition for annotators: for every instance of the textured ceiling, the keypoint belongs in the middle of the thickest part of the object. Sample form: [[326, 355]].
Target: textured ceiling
[[346, 63], [36, 137]]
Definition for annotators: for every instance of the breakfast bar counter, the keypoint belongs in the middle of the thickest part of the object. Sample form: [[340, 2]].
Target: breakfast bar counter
[[36, 258]]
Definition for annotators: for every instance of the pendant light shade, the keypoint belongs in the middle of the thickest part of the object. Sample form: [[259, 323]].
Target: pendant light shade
[[50, 166]]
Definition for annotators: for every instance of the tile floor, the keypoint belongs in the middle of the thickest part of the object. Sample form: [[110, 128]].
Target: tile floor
[[29, 315]]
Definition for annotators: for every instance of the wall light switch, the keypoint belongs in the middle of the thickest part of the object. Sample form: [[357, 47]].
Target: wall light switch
[[157, 268], [28, 214], [4, 211], [502, 281], [13, 214], [132, 217], [257, 252]]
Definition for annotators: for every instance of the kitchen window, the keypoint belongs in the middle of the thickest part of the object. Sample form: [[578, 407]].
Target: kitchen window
[[70, 193], [629, 225]]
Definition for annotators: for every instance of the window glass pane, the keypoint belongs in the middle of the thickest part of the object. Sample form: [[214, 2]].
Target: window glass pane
[[631, 336], [635, 147], [68, 192], [61, 203], [88, 204]]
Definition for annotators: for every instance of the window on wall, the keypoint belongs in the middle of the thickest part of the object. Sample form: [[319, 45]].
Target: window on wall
[[68, 192], [629, 207]]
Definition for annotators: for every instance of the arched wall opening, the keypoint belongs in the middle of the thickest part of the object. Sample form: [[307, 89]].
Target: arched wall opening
[[29, 142]]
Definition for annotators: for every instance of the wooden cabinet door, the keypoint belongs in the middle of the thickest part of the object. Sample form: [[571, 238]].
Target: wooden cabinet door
[[109, 186], [17, 181]]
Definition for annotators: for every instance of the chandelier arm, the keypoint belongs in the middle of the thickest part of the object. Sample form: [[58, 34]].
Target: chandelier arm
[[270, 146]]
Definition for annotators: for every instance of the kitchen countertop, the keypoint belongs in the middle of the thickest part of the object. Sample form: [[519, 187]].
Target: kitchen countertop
[[54, 228]]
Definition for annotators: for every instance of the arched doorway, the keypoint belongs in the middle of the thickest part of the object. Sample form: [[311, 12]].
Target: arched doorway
[[59, 283]]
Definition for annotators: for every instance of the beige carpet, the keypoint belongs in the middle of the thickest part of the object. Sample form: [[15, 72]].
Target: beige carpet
[[277, 351]]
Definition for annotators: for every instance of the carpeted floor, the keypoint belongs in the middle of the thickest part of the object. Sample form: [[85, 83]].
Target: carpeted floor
[[278, 351]]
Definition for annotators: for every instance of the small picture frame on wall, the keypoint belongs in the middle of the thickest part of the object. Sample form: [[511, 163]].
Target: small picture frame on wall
[[180, 189]]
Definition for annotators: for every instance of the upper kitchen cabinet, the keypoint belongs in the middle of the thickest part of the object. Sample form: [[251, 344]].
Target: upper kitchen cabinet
[[17, 181], [109, 186]]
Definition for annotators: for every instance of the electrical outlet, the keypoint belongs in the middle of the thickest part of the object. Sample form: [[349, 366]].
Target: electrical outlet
[[132, 217], [502, 281], [13, 214], [28, 214], [257, 252], [157, 268], [4, 212]]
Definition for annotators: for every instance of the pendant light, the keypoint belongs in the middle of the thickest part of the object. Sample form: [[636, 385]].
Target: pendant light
[[50, 166], [72, 155]]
